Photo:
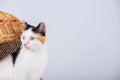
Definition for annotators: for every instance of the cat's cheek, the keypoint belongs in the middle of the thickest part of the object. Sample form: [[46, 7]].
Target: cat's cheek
[[22, 45]]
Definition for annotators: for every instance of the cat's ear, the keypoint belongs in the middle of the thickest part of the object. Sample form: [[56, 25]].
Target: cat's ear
[[41, 28], [24, 24]]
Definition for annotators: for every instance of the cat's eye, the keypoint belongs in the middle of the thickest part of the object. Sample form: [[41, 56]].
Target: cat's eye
[[23, 37], [32, 38]]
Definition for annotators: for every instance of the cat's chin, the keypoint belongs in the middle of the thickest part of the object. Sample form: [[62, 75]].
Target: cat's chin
[[30, 49], [26, 47]]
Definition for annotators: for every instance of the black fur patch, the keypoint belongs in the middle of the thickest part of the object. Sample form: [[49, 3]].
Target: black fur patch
[[34, 29], [14, 56], [28, 27]]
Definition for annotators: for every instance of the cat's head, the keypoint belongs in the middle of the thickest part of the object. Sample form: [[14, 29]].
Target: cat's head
[[33, 37]]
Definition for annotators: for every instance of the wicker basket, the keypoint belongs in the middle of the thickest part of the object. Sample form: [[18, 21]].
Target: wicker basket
[[10, 31]]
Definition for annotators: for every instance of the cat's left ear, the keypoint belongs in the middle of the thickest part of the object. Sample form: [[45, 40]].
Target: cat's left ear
[[24, 24], [42, 28]]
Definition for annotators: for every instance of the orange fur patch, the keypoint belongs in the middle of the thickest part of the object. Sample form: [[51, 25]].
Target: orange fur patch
[[41, 38]]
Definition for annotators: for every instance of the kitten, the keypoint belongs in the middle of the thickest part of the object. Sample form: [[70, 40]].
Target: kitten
[[31, 59]]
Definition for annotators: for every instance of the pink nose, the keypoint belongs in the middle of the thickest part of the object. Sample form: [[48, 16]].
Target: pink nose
[[25, 44]]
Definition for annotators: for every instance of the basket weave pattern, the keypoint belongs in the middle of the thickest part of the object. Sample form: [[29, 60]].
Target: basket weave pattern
[[10, 31]]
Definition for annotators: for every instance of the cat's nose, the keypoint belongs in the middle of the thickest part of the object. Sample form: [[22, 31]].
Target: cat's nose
[[25, 44]]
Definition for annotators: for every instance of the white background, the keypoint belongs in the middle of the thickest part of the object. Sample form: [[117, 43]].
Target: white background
[[83, 36]]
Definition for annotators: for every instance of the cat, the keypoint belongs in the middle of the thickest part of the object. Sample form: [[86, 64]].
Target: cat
[[31, 60]]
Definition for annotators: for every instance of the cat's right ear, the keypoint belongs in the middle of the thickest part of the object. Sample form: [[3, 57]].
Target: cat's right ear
[[24, 24]]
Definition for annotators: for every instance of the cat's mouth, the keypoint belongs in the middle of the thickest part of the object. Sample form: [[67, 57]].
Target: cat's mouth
[[26, 47]]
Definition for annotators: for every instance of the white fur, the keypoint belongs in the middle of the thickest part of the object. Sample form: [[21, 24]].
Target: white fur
[[31, 62], [6, 68]]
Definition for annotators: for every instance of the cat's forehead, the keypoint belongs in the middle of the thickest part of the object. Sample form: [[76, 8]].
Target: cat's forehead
[[28, 32]]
